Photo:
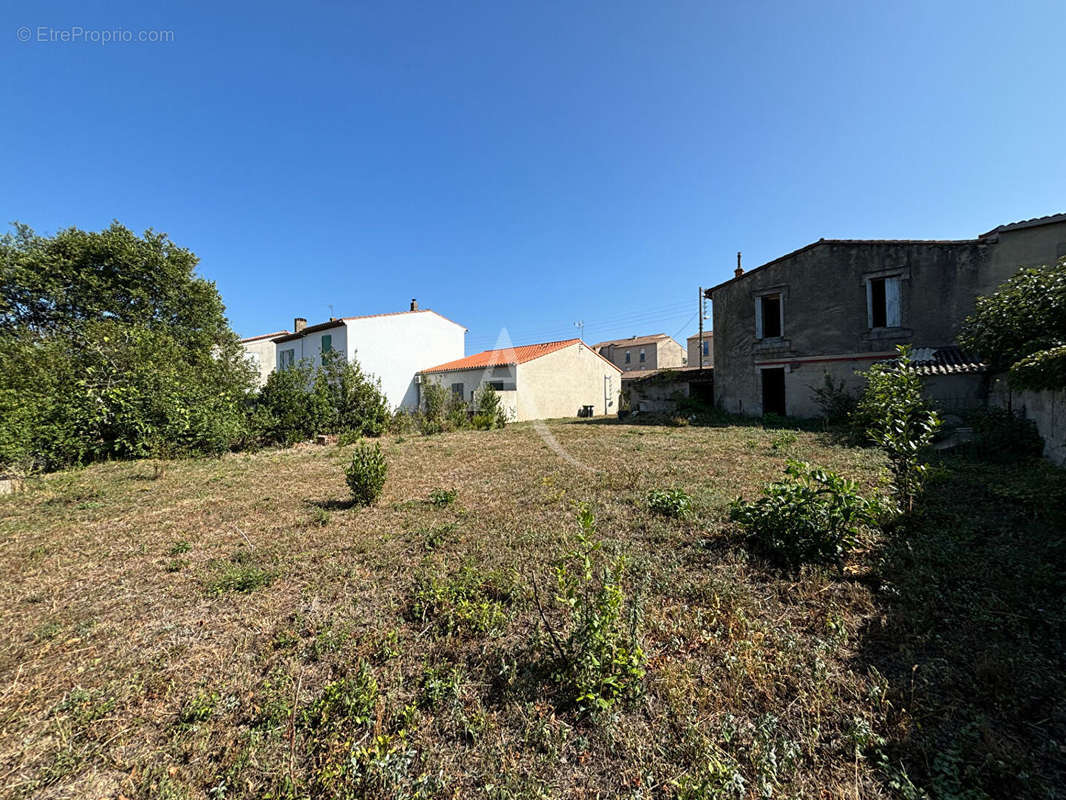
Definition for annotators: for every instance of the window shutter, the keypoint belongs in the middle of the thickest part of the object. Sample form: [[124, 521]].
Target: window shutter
[[327, 343], [758, 317], [892, 310], [869, 303]]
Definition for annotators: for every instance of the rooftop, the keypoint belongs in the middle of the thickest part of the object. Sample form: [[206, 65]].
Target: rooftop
[[338, 321], [507, 356], [263, 336], [631, 341]]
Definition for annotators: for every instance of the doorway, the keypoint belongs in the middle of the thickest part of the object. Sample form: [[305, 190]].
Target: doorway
[[773, 391]]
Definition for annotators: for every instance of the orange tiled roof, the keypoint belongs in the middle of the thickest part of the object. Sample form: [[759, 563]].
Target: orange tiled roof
[[263, 336], [507, 355]]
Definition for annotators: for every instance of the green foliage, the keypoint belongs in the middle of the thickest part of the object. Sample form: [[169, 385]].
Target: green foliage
[[241, 574], [1001, 436], [467, 602], [815, 516], [488, 409], [1023, 321], [835, 401], [198, 709], [344, 703], [366, 473], [900, 422], [300, 402], [113, 348], [598, 660], [442, 498], [673, 503]]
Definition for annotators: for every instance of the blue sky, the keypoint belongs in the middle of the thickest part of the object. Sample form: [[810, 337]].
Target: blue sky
[[527, 165]]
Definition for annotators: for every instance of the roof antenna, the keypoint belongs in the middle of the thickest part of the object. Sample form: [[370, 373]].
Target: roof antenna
[[580, 325], [739, 270], [330, 312]]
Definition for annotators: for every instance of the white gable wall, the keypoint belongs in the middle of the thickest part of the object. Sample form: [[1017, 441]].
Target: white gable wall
[[395, 347], [560, 383]]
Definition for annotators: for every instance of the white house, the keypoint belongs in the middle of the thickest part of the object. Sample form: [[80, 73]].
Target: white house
[[537, 381], [393, 347]]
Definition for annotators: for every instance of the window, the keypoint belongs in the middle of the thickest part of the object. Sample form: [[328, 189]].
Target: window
[[628, 359], [327, 343], [706, 347], [769, 316], [497, 385], [882, 302], [457, 388], [288, 357], [642, 355]]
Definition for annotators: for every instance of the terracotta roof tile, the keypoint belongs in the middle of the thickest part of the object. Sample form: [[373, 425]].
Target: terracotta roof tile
[[503, 356], [264, 336]]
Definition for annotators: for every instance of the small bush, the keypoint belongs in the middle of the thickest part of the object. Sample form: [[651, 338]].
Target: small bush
[[488, 409], [344, 703], [596, 656], [835, 401], [240, 576], [816, 516], [674, 503], [1001, 436], [366, 473], [783, 440], [442, 498]]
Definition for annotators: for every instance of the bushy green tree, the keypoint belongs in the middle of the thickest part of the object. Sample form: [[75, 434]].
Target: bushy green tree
[[899, 421], [1021, 328], [489, 411], [113, 348]]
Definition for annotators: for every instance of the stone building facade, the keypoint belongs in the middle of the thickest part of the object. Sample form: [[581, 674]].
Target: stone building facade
[[836, 306]]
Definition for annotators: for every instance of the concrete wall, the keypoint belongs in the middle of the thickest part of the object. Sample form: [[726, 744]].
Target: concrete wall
[[1047, 409], [658, 354], [560, 383], [261, 353], [694, 351], [1025, 247]]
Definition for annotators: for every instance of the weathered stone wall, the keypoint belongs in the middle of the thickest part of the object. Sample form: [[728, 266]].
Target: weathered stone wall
[[1047, 409], [823, 290]]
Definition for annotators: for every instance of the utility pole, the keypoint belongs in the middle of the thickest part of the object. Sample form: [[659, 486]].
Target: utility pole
[[700, 310], [580, 325]]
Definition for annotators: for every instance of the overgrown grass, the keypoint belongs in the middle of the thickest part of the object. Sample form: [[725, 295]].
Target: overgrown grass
[[393, 651]]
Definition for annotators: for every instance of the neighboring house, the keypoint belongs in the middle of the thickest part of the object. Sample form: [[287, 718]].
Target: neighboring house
[[536, 381], [642, 352], [661, 390], [260, 352], [837, 306], [697, 343], [392, 347]]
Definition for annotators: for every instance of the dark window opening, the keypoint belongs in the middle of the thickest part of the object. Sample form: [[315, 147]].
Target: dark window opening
[[773, 391], [497, 385], [771, 316], [457, 388], [878, 309]]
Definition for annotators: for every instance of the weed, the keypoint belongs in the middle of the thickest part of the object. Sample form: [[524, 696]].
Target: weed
[[466, 602], [674, 503], [175, 565], [199, 708], [442, 498], [240, 574], [320, 517], [179, 547], [783, 440], [433, 538]]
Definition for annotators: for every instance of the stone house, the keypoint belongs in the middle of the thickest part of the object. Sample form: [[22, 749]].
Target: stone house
[[537, 381], [838, 305], [657, 351]]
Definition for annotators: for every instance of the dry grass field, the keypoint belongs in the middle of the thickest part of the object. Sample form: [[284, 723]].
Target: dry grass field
[[233, 628]]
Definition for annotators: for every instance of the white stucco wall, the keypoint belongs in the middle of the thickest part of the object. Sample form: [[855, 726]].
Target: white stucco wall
[[472, 380], [309, 346], [395, 347]]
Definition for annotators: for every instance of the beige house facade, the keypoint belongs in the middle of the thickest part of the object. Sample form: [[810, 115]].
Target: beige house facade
[[657, 351], [538, 381], [697, 343], [260, 351]]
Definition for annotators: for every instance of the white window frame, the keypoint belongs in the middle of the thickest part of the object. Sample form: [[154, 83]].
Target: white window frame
[[287, 357]]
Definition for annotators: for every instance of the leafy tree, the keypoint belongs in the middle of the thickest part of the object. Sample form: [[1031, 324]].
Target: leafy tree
[[899, 422], [113, 348], [489, 411], [1021, 328]]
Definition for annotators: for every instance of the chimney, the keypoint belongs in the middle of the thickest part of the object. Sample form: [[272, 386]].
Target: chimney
[[414, 304], [739, 270], [298, 324]]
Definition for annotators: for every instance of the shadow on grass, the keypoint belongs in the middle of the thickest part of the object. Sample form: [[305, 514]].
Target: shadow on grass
[[970, 639], [332, 504]]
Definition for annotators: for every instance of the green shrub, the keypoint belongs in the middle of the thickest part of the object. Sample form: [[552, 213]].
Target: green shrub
[[1002, 436], [835, 401], [900, 422], [344, 704], [442, 498], [673, 503], [366, 473], [596, 658], [816, 516], [489, 411], [240, 574]]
